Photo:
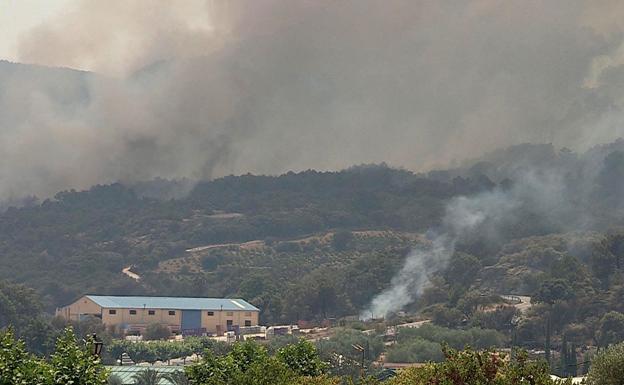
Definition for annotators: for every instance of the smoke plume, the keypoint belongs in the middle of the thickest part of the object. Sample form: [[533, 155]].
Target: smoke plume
[[542, 195], [206, 88]]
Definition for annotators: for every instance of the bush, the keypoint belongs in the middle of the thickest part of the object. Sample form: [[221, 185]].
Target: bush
[[156, 331], [472, 367], [415, 350], [445, 316], [457, 339], [607, 367]]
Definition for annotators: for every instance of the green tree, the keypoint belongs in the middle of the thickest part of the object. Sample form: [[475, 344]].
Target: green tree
[[250, 364], [245, 354], [17, 367], [247, 364], [607, 368], [147, 377], [552, 291], [266, 371], [76, 364], [210, 370], [114, 380], [611, 329], [472, 367], [18, 305], [302, 358], [462, 270]]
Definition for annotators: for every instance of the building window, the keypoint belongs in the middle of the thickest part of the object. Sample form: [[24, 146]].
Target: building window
[[247, 322], [247, 314], [229, 313], [132, 312], [229, 322], [151, 312], [112, 311], [210, 313], [171, 312]]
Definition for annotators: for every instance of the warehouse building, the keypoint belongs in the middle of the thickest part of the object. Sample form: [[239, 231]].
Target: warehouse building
[[188, 316]]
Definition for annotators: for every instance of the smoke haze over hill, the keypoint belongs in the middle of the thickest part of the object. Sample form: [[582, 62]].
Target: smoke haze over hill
[[214, 87]]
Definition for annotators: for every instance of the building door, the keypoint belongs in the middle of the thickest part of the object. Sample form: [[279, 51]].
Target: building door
[[191, 319]]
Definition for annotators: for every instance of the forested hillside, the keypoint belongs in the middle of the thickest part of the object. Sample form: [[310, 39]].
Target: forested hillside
[[80, 241], [315, 245]]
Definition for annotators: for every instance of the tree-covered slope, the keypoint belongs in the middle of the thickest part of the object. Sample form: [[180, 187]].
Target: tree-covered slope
[[79, 241]]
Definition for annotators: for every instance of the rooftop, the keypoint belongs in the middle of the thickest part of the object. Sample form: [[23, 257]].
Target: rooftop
[[178, 303], [125, 373]]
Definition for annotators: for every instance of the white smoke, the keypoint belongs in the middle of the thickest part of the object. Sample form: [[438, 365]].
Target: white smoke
[[412, 279], [483, 213]]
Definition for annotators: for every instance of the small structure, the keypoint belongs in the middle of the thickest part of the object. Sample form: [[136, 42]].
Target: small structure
[[125, 360], [183, 315], [281, 330]]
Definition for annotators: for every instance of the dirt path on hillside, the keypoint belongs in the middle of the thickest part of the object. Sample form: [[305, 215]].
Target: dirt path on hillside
[[130, 274]]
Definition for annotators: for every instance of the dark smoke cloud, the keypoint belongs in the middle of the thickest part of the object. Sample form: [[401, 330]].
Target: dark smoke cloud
[[205, 88]]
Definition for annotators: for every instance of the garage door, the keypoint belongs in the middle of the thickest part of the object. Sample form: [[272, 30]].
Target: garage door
[[191, 319]]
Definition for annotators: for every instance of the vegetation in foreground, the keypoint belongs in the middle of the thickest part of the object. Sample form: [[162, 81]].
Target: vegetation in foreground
[[326, 243], [297, 364]]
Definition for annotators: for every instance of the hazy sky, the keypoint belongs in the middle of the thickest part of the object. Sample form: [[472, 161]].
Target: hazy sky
[[203, 88], [19, 16]]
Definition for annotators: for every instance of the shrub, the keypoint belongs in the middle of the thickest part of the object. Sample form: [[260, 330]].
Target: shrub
[[606, 367], [445, 316], [156, 331], [415, 350], [473, 367], [457, 339]]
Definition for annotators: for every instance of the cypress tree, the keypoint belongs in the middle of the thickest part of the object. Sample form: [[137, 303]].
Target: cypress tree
[[563, 366], [586, 363], [572, 361]]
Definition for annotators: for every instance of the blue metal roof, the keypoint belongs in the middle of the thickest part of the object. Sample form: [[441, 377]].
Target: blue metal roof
[[173, 303]]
